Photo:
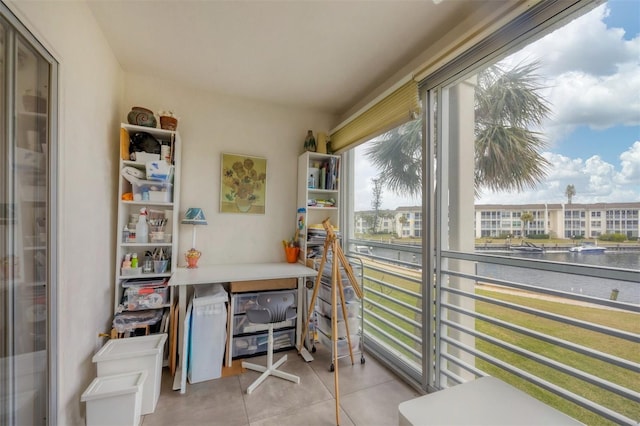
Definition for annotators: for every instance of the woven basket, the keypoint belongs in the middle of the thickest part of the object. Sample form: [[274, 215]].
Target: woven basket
[[168, 123]]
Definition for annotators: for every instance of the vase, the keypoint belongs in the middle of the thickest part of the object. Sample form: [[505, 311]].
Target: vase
[[141, 117], [192, 257], [243, 204]]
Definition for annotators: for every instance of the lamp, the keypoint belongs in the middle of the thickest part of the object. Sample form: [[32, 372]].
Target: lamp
[[194, 216]]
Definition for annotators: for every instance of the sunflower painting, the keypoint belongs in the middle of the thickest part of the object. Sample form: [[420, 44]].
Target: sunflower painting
[[243, 184]]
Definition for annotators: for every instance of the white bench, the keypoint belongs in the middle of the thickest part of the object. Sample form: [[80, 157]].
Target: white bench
[[485, 401]]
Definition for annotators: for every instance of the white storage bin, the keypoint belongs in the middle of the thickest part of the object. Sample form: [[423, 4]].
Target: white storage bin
[[343, 344], [256, 344], [156, 190], [243, 302], [115, 400], [241, 325], [353, 308], [324, 293], [208, 333], [141, 353], [324, 324]]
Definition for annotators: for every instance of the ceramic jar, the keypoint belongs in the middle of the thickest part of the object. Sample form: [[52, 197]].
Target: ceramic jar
[[141, 117]]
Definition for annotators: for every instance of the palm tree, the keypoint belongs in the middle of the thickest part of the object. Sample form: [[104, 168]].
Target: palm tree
[[507, 105], [526, 219], [570, 192]]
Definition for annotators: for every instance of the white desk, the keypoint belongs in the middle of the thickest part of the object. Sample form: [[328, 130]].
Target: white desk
[[184, 277], [485, 401]]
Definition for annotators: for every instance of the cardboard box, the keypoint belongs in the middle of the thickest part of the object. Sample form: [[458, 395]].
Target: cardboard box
[[258, 285]]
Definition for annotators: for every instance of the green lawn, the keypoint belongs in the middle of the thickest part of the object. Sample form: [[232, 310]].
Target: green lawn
[[620, 320]]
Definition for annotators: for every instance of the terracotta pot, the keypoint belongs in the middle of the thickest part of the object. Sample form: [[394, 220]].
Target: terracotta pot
[[168, 123]]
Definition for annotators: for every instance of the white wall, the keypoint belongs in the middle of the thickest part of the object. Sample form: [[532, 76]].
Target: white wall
[[211, 124], [95, 97], [91, 87]]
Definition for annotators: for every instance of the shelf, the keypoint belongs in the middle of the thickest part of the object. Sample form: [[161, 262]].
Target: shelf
[[321, 208], [132, 277], [323, 191], [146, 244], [157, 132], [147, 203], [165, 202], [166, 305]]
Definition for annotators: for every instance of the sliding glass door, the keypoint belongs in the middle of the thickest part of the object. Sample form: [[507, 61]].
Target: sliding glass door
[[26, 285]]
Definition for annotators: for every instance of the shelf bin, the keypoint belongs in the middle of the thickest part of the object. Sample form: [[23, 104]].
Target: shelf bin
[[115, 400], [141, 353], [208, 333]]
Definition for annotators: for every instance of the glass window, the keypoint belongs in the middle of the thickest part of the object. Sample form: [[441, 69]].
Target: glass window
[[26, 288]]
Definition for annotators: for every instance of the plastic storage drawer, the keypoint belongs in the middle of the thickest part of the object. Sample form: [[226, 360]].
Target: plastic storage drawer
[[243, 302], [138, 297], [343, 344], [324, 324], [255, 344], [324, 293], [242, 325], [148, 190], [352, 309]]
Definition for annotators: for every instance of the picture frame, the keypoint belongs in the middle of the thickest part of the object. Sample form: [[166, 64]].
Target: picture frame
[[243, 184]]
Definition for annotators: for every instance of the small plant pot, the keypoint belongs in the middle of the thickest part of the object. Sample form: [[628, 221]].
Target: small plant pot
[[168, 123], [292, 254]]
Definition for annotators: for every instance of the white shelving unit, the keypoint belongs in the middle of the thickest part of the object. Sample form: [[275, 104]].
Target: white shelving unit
[[161, 202], [319, 202]]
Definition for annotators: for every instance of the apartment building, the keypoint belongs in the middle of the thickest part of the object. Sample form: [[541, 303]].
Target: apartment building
[[558, 220]]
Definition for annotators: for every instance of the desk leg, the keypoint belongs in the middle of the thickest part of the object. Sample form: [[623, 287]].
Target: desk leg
[[178, 382], [301, 341], [229, 352]]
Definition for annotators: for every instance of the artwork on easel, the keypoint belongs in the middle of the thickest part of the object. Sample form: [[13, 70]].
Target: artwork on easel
[[243, 184]]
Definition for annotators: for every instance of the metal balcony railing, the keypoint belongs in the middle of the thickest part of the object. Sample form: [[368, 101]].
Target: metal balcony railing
[[578, 353]]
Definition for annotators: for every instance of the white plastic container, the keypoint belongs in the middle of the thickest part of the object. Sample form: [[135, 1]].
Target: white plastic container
[[208, 333], [115, 400], [140, 353]]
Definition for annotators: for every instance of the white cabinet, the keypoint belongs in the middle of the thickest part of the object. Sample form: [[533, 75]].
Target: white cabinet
[[318, 199], [134, 292]]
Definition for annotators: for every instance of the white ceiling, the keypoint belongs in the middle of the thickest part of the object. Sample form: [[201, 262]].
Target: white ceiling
[[324, 55]]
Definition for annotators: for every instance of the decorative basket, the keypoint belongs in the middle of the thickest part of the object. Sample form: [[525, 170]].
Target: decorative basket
[[168, 123]]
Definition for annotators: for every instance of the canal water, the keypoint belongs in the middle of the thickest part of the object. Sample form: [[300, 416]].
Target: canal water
[[597, 287]]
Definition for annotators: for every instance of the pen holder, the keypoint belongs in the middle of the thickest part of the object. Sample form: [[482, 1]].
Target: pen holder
[[160, 266], [292, 254]]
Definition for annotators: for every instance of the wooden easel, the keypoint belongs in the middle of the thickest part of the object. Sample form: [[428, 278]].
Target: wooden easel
[[332, 243]]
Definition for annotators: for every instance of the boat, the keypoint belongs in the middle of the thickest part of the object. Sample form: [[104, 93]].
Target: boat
[[364, 250], [587, 248], [527, 247]]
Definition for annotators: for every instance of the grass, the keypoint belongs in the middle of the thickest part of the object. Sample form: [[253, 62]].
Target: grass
[[626, 321]]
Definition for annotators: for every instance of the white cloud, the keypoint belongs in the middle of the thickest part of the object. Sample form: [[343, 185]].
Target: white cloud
[[630, 162], [591, 75], [595, 181]]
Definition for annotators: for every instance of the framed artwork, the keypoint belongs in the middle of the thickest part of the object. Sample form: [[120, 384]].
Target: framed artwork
[[243, 184]]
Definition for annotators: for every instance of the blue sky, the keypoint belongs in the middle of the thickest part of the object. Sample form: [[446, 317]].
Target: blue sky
[[590, 70]]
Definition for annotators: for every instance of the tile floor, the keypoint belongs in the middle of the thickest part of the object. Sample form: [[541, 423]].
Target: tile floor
[[369, 396]]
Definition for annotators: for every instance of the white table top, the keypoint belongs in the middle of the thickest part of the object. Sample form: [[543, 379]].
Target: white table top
[[485, 401], [207, 274]]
